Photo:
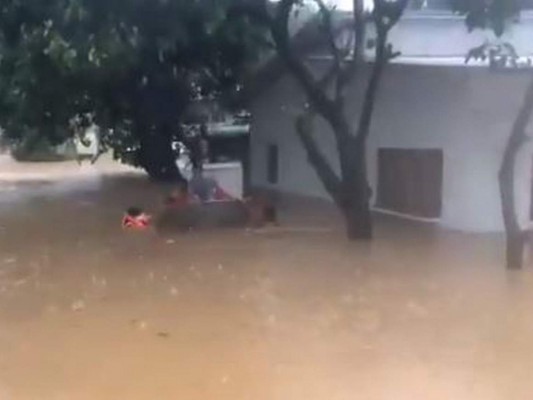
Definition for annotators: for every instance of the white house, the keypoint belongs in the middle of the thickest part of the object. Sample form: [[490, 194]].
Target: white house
[[438, 133]]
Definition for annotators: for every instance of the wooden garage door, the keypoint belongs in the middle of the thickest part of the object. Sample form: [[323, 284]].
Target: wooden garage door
[[410, 181]]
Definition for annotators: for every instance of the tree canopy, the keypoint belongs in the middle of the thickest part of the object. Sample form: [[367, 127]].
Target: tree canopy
[[130, 66], [493, 14]]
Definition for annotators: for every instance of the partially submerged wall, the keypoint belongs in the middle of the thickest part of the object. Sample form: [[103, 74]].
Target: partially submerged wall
[[466, 112]]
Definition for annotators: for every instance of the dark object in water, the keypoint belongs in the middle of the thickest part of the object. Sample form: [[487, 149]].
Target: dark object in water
[[261, 212], [216, 214], [202, 186], [134, 211], [270, 214]]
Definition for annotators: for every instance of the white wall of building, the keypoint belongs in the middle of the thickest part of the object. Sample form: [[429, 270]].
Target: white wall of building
[[467, 112], [437, 36], [443, 34]]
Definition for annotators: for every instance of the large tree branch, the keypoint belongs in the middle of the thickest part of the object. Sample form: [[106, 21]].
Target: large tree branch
[[515, 234], [328, 177], [279, 29], [386, 14], [359, 30], [506, 174], [328, 76], [329, 31], [367, 111], [314, 88], [326, 16]]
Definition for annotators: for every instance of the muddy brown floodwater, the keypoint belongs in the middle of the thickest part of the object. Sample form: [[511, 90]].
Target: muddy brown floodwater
[[88, 311]]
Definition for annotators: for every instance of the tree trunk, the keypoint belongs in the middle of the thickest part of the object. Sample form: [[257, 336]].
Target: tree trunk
[[350, 190], [351, 193], [356, 194], [514, 252], [358, 219], [158, 158], [324, 171], [515, 236]]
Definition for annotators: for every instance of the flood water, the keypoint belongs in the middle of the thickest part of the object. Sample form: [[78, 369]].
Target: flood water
[[88, 311]]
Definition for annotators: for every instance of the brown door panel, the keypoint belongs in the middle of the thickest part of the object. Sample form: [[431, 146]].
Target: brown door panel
[[410, 181]]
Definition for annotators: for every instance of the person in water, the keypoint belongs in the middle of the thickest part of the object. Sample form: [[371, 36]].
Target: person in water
[[207, 189], [179, 197], [136, 218]]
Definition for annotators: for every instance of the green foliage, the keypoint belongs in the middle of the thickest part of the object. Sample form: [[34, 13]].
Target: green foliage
[[130, 66], [495, 15], [487, 14]]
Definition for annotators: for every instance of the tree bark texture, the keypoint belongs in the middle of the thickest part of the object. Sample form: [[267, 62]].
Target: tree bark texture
[[515, 236]]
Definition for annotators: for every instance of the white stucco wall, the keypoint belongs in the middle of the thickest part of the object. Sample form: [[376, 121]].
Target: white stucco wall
[[443, 34], [440, 35], [467, 112]]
